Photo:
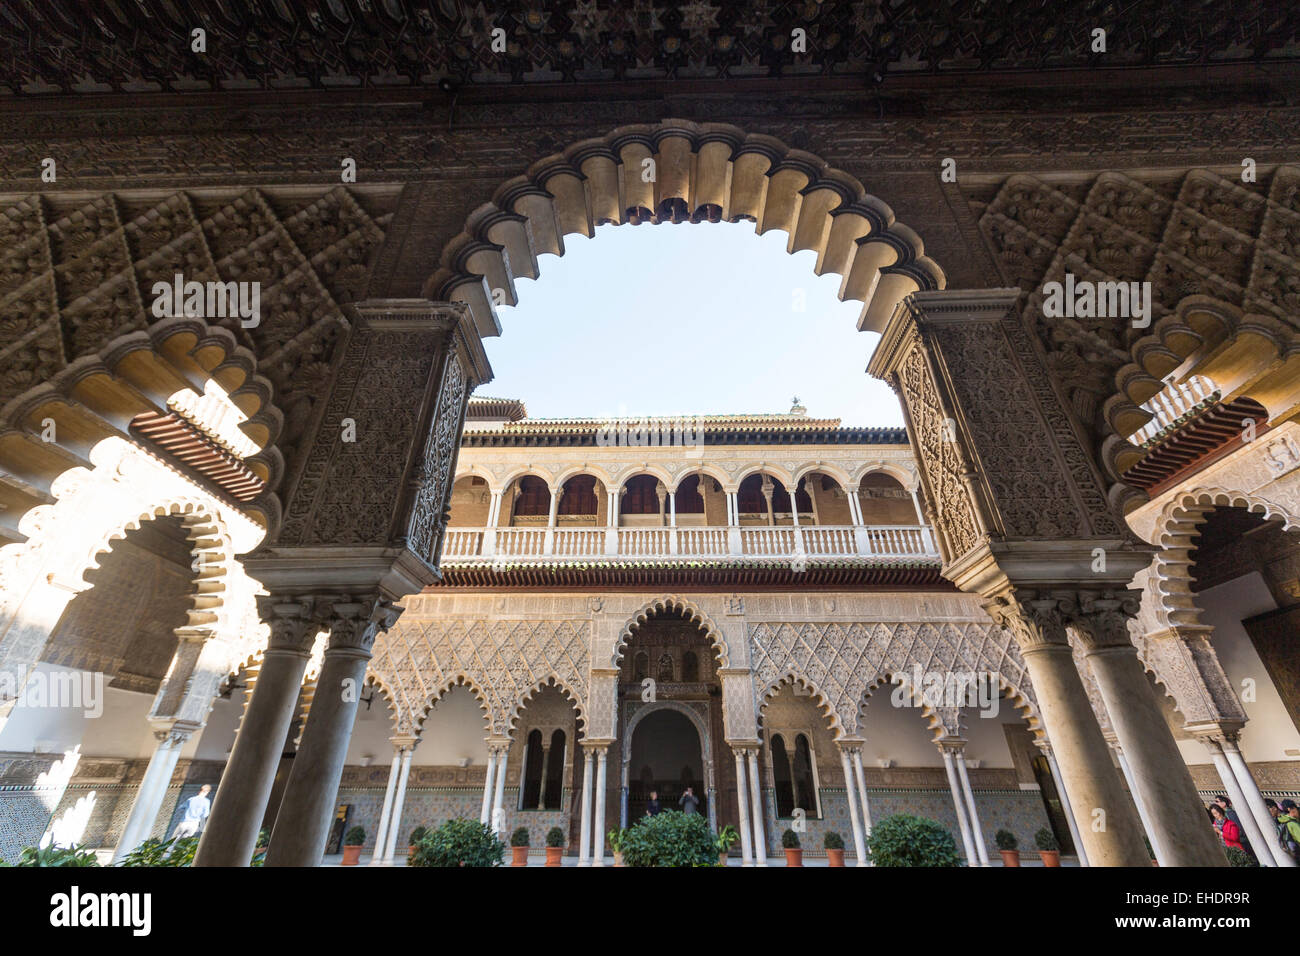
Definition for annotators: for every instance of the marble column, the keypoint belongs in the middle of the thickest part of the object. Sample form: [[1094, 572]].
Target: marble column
[[1254, 803], [1162, 780], [584, 831], [307, 810], [498, 810], [381, 837], [598, 837], [230, 836], [399, 801], [958, 805], [1065, 804], [1238, 798], [149, 798], [964, 776], [742, 799], [1144, 813], [756, 808], [1107, 820], [488, 780], [862, 790], [859, 838]]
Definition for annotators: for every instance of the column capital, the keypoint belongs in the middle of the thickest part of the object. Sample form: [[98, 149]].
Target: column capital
[[294, 622], [355, 621], [951, 745], [403, 743]]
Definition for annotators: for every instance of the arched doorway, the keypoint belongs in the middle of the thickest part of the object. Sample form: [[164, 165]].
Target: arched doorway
[[665, 755]]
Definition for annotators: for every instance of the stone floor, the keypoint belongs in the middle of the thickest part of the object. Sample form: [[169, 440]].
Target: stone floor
[[539, 859]]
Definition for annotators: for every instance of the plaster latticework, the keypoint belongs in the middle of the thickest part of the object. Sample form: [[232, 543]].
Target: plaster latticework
[[417, 661]]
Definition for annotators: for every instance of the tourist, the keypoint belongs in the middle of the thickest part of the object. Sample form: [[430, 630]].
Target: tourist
[[1225, 805], [1229, 832], [689, 801], [197, 809], [652, 807], [1289, 820]]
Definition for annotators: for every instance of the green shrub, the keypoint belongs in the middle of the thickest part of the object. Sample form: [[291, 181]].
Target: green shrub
[[356, 836], [1044, 840], [459, 842], [670, 838], [790, 840], [905, 840], [1239, 857], [1006, 840], [57, 856], [615, 838], [519, 837], [154, 852], [556, 837], [264, 837], [417, 835], [832, 841]]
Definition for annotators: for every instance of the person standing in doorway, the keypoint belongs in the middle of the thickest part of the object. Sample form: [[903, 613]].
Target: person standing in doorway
[[652, 806], [690, 803], [197, 809]]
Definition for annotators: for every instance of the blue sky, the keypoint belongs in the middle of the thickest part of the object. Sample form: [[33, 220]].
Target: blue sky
[[679, 320]]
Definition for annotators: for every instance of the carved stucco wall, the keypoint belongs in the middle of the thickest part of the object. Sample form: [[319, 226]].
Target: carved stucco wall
[[840, 645]]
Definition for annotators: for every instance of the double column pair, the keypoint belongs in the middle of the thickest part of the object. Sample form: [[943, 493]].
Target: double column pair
[[749, 796], [855, 791], [591, 832], [953, 750], [307, 808], [390, 819], [1105, 818], [494, 786]]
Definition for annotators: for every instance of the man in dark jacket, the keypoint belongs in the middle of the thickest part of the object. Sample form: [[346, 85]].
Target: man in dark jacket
[[652, 805], [689, 801]]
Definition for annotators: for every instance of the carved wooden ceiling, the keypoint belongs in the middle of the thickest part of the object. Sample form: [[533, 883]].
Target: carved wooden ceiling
[[137, 46]]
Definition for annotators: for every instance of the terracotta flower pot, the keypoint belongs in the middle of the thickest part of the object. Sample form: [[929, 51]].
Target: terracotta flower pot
[[519, 856], [618, 857], [554, 855], [351, 855], [1010, 857], [1050, 857], [793, 856], [722, 858], [410, 851], [836, 857]]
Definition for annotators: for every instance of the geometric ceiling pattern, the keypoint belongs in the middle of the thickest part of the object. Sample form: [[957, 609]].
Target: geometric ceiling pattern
[[139, 46]]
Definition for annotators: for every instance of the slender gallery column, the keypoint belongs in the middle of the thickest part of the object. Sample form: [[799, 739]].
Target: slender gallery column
[[1238, 799], [1107, 820], [756, 807], [489, 779], [1065, 803], [960, 759], [381, 837], [1254, 803], [859, 838], [1144, 814], [231, 834], [742, 800], [584, 831], [498, 808], [149, 798], [1160, 775], [308, 806], [862, 790], [598, 837], [399, 801], [958, 805]]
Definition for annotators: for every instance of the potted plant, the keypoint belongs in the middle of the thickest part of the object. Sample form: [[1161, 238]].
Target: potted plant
[[554, 846], [1007, 843], [793, 852], [727, 838], [459, 843], [353, 841], [416, 836], [833, 843], [616, 844], [1048, 848], [263, 841], [519, 847], [670, 838]]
